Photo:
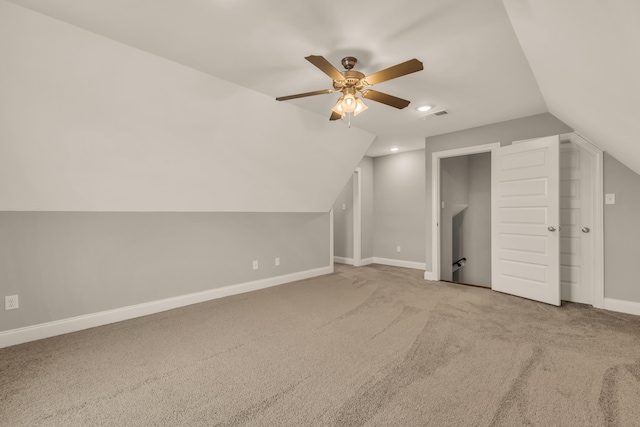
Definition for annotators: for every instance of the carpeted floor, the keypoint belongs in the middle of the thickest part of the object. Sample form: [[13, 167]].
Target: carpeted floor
[[374, 346]]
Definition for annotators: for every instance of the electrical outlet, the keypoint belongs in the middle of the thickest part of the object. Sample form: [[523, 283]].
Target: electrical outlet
[[398, 249], [255, 264], [11, 302], [277, 261]]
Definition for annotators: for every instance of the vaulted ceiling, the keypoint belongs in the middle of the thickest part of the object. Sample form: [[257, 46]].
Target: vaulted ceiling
[[484, 61], [585, 55]]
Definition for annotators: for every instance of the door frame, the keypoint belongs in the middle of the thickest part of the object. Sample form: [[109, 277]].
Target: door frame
[[357, 217], [436, 201], [598, 208]]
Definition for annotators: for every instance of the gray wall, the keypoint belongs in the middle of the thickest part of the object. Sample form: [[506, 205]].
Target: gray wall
[[505, 132], [399, 206], [621, 231], [65, 264], [343, 222]]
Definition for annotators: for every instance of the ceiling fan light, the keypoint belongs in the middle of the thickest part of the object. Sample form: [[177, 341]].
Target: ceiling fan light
[[349, 103], [360, 107], [338, 109]]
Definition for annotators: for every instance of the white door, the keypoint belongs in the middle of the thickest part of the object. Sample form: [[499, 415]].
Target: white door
[[525, 240], [576, 221]]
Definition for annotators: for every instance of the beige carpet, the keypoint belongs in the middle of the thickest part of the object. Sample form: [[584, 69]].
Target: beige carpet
[[375, 346]]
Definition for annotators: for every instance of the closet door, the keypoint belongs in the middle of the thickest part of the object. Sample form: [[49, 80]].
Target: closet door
[[576, 219], [525, 235]]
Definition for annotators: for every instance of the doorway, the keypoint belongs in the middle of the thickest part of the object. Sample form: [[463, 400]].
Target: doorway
[[465, 219], [347, 222], [436, 200]]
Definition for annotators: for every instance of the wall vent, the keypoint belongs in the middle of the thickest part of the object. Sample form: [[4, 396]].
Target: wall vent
[[436, 113]]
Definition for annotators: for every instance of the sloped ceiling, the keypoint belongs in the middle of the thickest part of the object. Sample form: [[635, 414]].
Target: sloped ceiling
[[474, 66], [90, 124], [585, 55], [485, 61]]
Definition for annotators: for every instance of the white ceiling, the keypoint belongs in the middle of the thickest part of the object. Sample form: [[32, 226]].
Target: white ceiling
[[586, 57], [474, 64]]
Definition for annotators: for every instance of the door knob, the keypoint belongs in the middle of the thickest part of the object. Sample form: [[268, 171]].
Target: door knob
[[585, 229], [551, 228]]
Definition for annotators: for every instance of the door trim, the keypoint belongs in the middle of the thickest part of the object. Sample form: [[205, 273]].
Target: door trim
[[331, 258], [434, 274], [597, 264], [357, 217]]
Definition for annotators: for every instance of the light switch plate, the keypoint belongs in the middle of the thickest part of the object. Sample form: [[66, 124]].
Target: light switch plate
[[610, 199]]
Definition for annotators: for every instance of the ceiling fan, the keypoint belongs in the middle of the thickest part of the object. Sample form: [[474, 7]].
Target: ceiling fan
[[350, 82]]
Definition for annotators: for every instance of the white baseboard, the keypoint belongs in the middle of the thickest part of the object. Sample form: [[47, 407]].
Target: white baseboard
[[428, 275], [73, 324], [622, 306], [400, 263], [351, 261], [342, 260]]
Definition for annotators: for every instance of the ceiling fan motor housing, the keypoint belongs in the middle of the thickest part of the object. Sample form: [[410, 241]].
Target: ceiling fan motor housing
[[351, 78], [349, 62]]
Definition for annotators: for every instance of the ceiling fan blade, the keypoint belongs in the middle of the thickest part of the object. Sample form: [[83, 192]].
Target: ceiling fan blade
[[325, 66], [408, 67], [302, 95], [335, 116], [390, 100]]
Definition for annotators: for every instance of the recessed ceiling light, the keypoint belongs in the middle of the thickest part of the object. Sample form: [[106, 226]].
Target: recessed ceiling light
[[424, 108], [394, 149]]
